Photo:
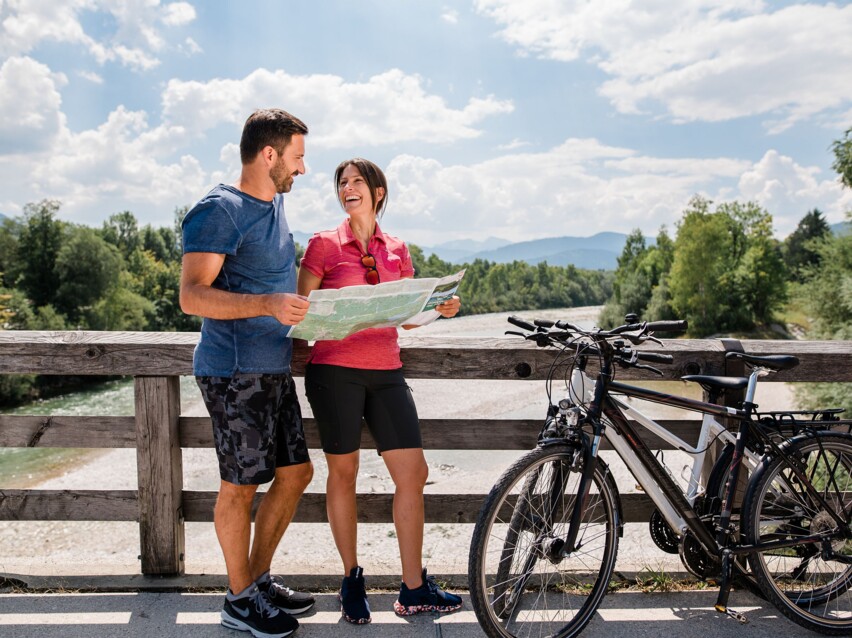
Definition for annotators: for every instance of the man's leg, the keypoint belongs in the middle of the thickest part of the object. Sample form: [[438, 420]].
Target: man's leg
[[232, 520], [275, 513]]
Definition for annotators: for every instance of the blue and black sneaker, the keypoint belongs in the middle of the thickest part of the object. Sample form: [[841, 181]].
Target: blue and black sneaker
[[427, 597], [353, 598], [253, 612]]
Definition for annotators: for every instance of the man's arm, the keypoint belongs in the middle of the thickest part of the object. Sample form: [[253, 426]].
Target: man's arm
[[198, 297]]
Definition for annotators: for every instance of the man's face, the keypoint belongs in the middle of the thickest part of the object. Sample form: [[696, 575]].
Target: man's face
[[289, 163]]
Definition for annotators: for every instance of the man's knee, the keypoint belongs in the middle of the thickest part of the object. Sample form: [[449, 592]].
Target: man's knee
[[296, 476], [232, 495]]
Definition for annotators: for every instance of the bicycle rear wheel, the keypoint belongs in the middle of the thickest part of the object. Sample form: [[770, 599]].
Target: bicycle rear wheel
[[808, 582], [520, 584]]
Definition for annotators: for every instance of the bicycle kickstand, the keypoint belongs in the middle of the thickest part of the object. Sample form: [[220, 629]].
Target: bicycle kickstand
[[725, 590]]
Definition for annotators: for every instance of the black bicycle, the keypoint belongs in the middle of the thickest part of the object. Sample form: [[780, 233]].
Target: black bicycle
[[545, 543]]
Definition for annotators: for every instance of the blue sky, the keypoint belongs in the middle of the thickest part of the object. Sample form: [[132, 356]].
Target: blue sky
[[518, 119]]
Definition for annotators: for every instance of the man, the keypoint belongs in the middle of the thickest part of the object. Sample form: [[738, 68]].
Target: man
[[239, 274]]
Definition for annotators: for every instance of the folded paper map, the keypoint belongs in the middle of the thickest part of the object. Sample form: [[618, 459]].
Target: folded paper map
[[335, 314]]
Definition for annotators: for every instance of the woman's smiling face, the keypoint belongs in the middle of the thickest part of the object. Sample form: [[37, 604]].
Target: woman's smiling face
[[354, 192]]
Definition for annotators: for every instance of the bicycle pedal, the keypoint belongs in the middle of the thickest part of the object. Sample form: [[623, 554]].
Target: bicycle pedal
[[740, 617]]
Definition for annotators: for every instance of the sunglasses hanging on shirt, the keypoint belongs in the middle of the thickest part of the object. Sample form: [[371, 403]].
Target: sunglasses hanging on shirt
[[372, 274]]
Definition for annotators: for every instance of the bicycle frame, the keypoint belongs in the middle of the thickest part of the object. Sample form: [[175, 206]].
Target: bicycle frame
[[674, 503]]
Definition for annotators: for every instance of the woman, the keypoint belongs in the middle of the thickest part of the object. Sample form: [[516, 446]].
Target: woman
[[360, 377]]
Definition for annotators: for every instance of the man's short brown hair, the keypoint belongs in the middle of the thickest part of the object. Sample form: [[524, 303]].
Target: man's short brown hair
[[268, 127]]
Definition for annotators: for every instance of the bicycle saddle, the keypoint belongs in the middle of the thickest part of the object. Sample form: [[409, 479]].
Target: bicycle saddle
[[717, 383], [772, 361]]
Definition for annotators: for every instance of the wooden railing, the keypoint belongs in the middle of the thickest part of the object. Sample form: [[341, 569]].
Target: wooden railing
[[158, 432]]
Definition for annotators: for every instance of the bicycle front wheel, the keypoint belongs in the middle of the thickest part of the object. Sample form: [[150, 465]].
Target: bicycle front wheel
[[521, 585], [807, 581]]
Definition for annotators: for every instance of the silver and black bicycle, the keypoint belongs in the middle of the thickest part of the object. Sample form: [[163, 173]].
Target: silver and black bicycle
[[544, 546]]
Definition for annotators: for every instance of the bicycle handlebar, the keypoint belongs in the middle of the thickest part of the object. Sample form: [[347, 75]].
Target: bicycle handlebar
[[654, 357], [517, 321], [667, 326], [541, 331]]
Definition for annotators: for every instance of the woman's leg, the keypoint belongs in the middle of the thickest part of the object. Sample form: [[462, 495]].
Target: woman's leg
[[341, 506], [409, 472]]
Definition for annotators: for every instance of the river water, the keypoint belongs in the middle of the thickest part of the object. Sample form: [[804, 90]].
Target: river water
[[19, 467]]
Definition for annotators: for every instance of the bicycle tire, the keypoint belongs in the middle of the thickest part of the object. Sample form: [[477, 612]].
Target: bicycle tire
[[800, 581], [517, 588]]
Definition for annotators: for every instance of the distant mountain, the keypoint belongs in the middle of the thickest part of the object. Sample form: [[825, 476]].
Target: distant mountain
[[598, 252], [841, 228], [458, 250], [2, 217]]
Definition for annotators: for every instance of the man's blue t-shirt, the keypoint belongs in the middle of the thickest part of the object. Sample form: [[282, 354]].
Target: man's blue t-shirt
[[260, 257]]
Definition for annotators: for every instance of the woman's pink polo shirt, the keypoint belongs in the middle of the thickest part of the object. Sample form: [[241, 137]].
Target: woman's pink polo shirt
[[335, 256]]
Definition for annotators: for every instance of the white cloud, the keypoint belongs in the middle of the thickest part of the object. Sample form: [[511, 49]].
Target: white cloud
[[513, 145], [123, 164], [788, 190], [387, 108], [92, 77], [712, 60], [30, 115], [178, 13], [580, 187], [450, 16], [136, 40], [190, 47]]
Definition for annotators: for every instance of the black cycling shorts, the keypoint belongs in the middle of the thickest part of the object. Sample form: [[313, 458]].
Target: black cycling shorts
[[340, 397], [257, 425]]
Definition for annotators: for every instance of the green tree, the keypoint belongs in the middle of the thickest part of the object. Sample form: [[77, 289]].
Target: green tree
[[10, 231], [87, 268], [120, 309], [760, 278], [842, 149], [827, 293], [727, 271], [827, 290], [122, 231], [699, 281], [38, 248], [640, 280], [800, 250], [159, 282]]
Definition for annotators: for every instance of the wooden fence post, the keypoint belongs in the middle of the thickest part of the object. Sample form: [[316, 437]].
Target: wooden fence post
[[160, 469]]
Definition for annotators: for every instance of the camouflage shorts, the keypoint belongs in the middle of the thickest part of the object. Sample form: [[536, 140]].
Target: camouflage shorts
[[257, 425]]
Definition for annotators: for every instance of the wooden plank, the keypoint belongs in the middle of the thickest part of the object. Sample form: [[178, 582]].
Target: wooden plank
[[195, 432], [68, 431], [160, 475], [97, 353], [378, 508], [452, 434], [436, 357], [68, 505]]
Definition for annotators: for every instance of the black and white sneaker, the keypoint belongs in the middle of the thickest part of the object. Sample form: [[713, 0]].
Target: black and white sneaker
[[256, 614], [293, 602]]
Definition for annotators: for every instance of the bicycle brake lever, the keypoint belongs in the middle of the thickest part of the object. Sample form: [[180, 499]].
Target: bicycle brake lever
[[515, 333], [643, 366]]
